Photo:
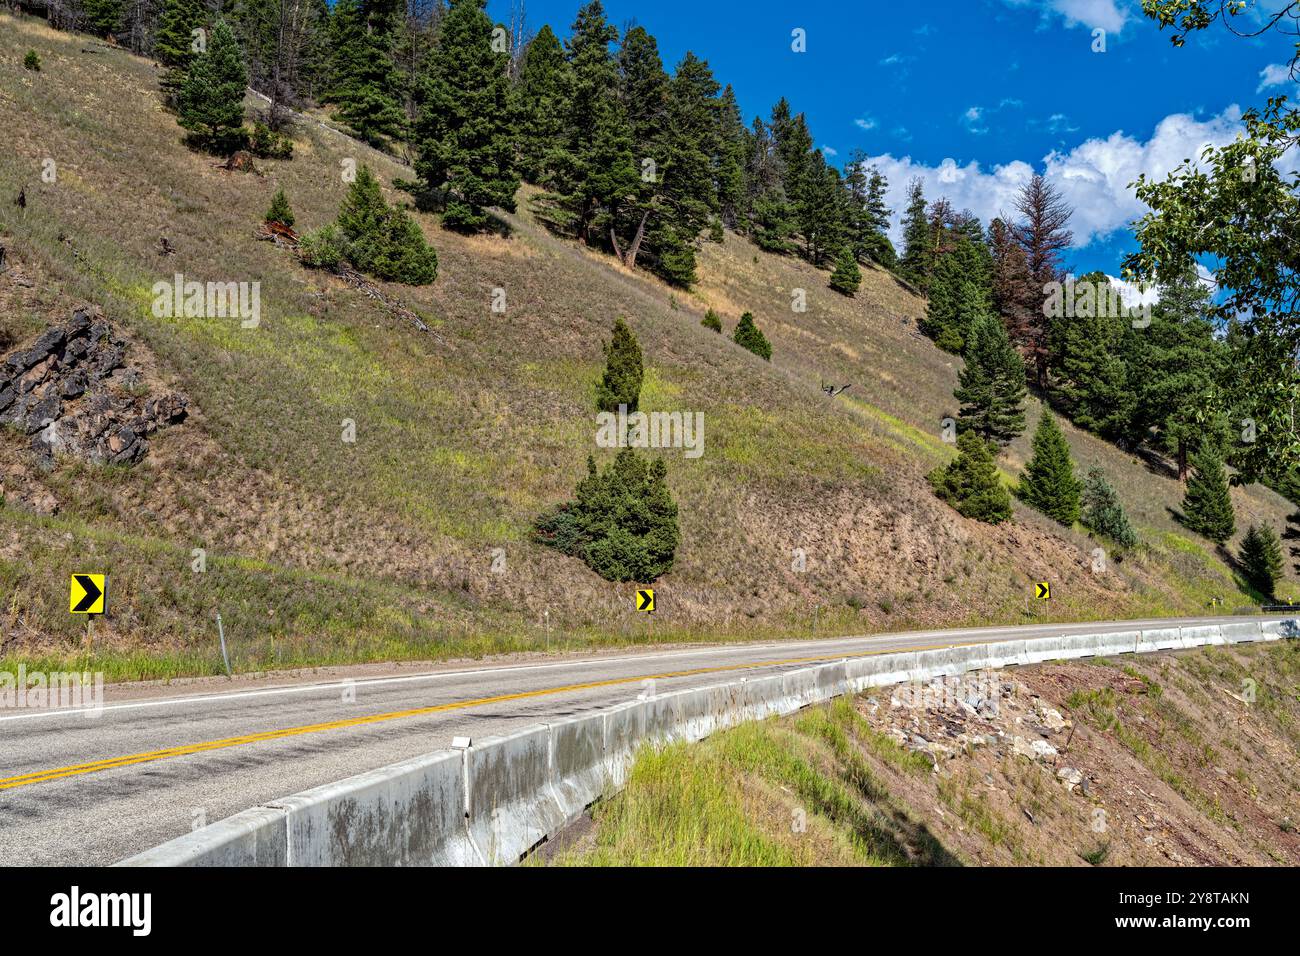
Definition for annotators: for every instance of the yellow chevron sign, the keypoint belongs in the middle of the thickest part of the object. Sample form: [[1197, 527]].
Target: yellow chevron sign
[[88, 594], [1043, 591], [645, 599]]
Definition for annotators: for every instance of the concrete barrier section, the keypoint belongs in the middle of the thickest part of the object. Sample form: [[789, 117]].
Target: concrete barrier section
[[511, 806], [1241, 632], [255, 837], [407, 814], [625, 728], [1160, 639], [579, 772]]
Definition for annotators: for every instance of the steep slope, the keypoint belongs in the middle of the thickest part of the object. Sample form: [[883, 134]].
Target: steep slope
[[322, 549]]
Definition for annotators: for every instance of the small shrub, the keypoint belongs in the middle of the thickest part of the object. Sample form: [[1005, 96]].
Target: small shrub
[[621, 383], [322, 248], [622, 523], [266, 144], [32, 61], [280, 210], [749, 337], [970, 482], [1102, 512], [847, 276], [1048, 483], [711, 321]]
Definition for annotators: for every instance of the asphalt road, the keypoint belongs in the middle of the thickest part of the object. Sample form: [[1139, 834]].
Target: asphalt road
[[82, 790]]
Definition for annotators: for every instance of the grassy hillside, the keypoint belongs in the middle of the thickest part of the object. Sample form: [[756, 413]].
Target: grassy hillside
[[1152, 760], [323, 550]]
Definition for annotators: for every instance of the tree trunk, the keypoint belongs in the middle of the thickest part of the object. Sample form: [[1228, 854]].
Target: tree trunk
[[1182, 459], [635, 248]]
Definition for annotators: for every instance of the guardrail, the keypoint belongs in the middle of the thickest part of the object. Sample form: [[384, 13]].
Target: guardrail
[[493, 801]]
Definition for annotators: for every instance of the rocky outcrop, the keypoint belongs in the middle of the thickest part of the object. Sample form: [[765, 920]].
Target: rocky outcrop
[[73, 390]]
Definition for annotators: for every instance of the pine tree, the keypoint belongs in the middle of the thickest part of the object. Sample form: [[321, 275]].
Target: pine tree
[[917, 239], [464, 134], [174, 40], [712, 321], [212, 96], [621, 383], [280, 210], [991, 385], [748, 336], [729, 173], [622, 523], [970, 482], [1102, 511], [847, 276], [1207, 503], [102, 16], [1043, 235], [1292, 535], [378, 239], [771, 218], [1048, 483], [1261, 559], [364, 82], [593, 161], [1090, 379], [959, 287], [542, 84]]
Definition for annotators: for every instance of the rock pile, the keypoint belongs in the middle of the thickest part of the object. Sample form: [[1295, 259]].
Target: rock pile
[[949, 716], [72, 389]]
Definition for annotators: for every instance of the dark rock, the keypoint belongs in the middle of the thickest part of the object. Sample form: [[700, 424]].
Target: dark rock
[[73, 390]]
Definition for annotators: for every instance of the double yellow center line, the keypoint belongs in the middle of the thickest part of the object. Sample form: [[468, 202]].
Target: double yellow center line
[[112, 763]]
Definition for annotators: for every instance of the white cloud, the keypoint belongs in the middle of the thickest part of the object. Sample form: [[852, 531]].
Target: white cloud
[[973, 120], [865, 122], [829, 151], [1108, 15], [1093, 177], [1275, 74]]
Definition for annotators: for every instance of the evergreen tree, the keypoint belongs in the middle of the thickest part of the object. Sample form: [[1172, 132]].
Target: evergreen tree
[[464, 134], [917, 239], [729, 164], [771, 218], [378, 239], [1048, 483], [1091, 378], [1175, 366], [280, 210], [542, 84], [621, 383], [1261, 559], [1102, 511], [174, 40], [593, 163], [212, 96], [711, 321], [847, 276], [622, 523], [991, 385], [970, 482], [1043, 235], [102, 16], [1207, 503], [364, 82], [959, 288], [748, 336]]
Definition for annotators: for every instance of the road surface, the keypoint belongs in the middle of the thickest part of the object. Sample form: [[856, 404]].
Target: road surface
[[84, 790]]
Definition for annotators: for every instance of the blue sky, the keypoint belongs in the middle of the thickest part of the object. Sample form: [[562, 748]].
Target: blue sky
[[973, 95]]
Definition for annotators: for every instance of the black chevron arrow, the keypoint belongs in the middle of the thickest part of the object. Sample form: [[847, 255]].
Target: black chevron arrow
[[93, 593]]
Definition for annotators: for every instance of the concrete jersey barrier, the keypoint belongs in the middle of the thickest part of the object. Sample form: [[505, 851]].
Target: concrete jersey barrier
[[495, 800]]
